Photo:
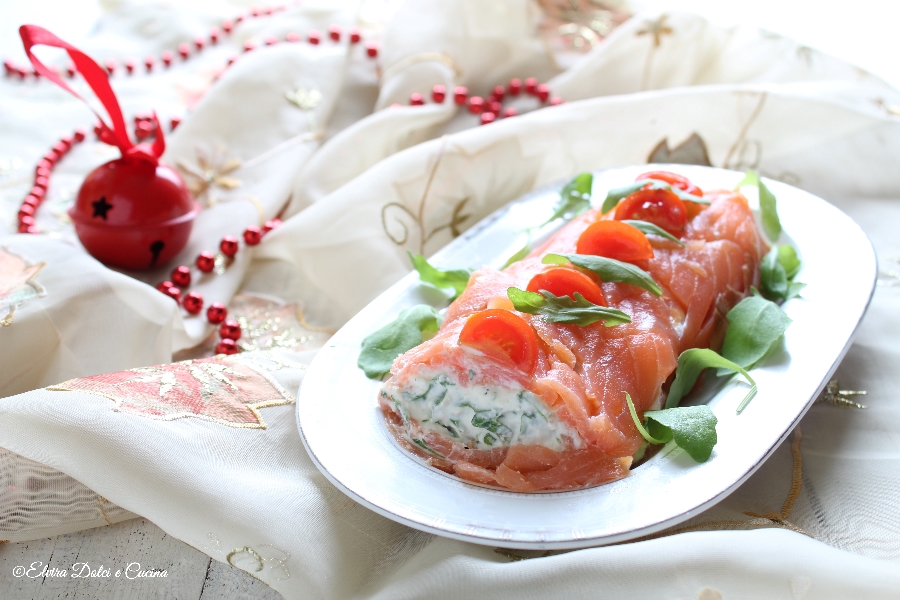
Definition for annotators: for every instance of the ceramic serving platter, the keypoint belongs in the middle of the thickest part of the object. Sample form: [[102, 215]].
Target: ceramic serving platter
[[343, 430]]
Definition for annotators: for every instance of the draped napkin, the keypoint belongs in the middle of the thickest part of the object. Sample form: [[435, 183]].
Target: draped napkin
[[98, 424]]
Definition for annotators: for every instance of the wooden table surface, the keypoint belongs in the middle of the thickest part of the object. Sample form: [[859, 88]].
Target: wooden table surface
[[190, 574]]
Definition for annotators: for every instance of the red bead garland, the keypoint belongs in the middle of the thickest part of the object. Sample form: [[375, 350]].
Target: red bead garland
[[216, 312], [491, 108], [198, 43]]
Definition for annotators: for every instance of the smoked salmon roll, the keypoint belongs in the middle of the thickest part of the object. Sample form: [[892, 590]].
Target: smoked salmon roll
[[506, 398]]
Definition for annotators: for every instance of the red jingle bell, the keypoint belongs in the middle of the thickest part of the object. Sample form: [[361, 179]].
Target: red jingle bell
[[133, 212]]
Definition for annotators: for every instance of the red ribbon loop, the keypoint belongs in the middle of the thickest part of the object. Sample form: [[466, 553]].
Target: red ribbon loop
[[98, 80]]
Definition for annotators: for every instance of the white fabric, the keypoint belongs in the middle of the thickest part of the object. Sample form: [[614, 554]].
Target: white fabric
[[754, 100]]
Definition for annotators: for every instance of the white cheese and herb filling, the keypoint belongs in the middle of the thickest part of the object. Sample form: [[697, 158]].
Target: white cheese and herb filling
[[480, 417]]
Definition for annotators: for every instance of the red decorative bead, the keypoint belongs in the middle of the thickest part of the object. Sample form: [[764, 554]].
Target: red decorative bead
[[531, 85], [166, 57], [556, 101], [199, 42], [149, 62], [334, 32], [271, 224], [173, 292], [129, 65], [34, 199], [239, 19], [229, 246], [206, 261], [268, 10], [292, 37], [41, 182], [111, 66], [499, 92], [227, 26], [515, 86], [543, 92], [44, 164], [26, 210], [173, 123], [80, 134], [42, 172], [26, 227], [184, 50], [249, 45], [253, 235], [354, 34], [226, 346], [231, 60], [193, 303], [164, 285], [510, 112], [460, 94], [438, 93], [216, 313], [214, 34], [9, 66], [494, 107], [22, 72], [487, 117], [371, 49], [271, 40], [68, 140], [52, 157], [230, 330], [255, 12], [60, 148], [314, 37], [476, 105], [416, 99], [181, 276]]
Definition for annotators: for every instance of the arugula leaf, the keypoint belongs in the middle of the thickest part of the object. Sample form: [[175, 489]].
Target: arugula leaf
[[412, 327], [616, 195], [691, 363], [692, 427], [755, 326], [574, 198], [519, 255], [768, 210], [647, 228], [562, 309], [776, 282], [609, 270], [789, 260], [455, 279]]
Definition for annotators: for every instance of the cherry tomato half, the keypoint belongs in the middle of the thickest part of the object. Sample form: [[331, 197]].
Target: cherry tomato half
[[502, 334], [673, 179], [614, 239], [660, 207], [562, 281]]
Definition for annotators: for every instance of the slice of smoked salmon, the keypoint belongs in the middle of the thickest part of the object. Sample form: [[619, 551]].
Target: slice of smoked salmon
[[575, 397]]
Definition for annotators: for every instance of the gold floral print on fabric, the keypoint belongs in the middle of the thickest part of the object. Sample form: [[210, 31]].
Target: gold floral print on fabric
[[250, 559], [213, 389], [395, 225], [656, 29], [580, 24], [17, 284], [211, 172]]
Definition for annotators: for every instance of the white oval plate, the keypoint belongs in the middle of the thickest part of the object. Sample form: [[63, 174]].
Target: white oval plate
[[344, 433]]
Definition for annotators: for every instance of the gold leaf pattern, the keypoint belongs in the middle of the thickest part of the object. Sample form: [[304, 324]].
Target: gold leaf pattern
[[17, 284], [211, 172]]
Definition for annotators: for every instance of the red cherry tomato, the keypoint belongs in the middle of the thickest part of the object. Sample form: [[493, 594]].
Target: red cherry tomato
[[673, 179], [562, 281], [502, 334], [614, 239], [660, 207]]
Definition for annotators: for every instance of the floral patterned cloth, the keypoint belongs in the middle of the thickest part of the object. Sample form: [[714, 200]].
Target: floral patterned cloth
[[209, 450]]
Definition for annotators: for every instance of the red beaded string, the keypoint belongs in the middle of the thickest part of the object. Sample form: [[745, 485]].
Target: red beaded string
[[192, 302], [490, 108], [185, 50]]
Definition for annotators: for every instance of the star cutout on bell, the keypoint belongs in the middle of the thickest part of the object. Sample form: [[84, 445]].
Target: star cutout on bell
[[101, 207]]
